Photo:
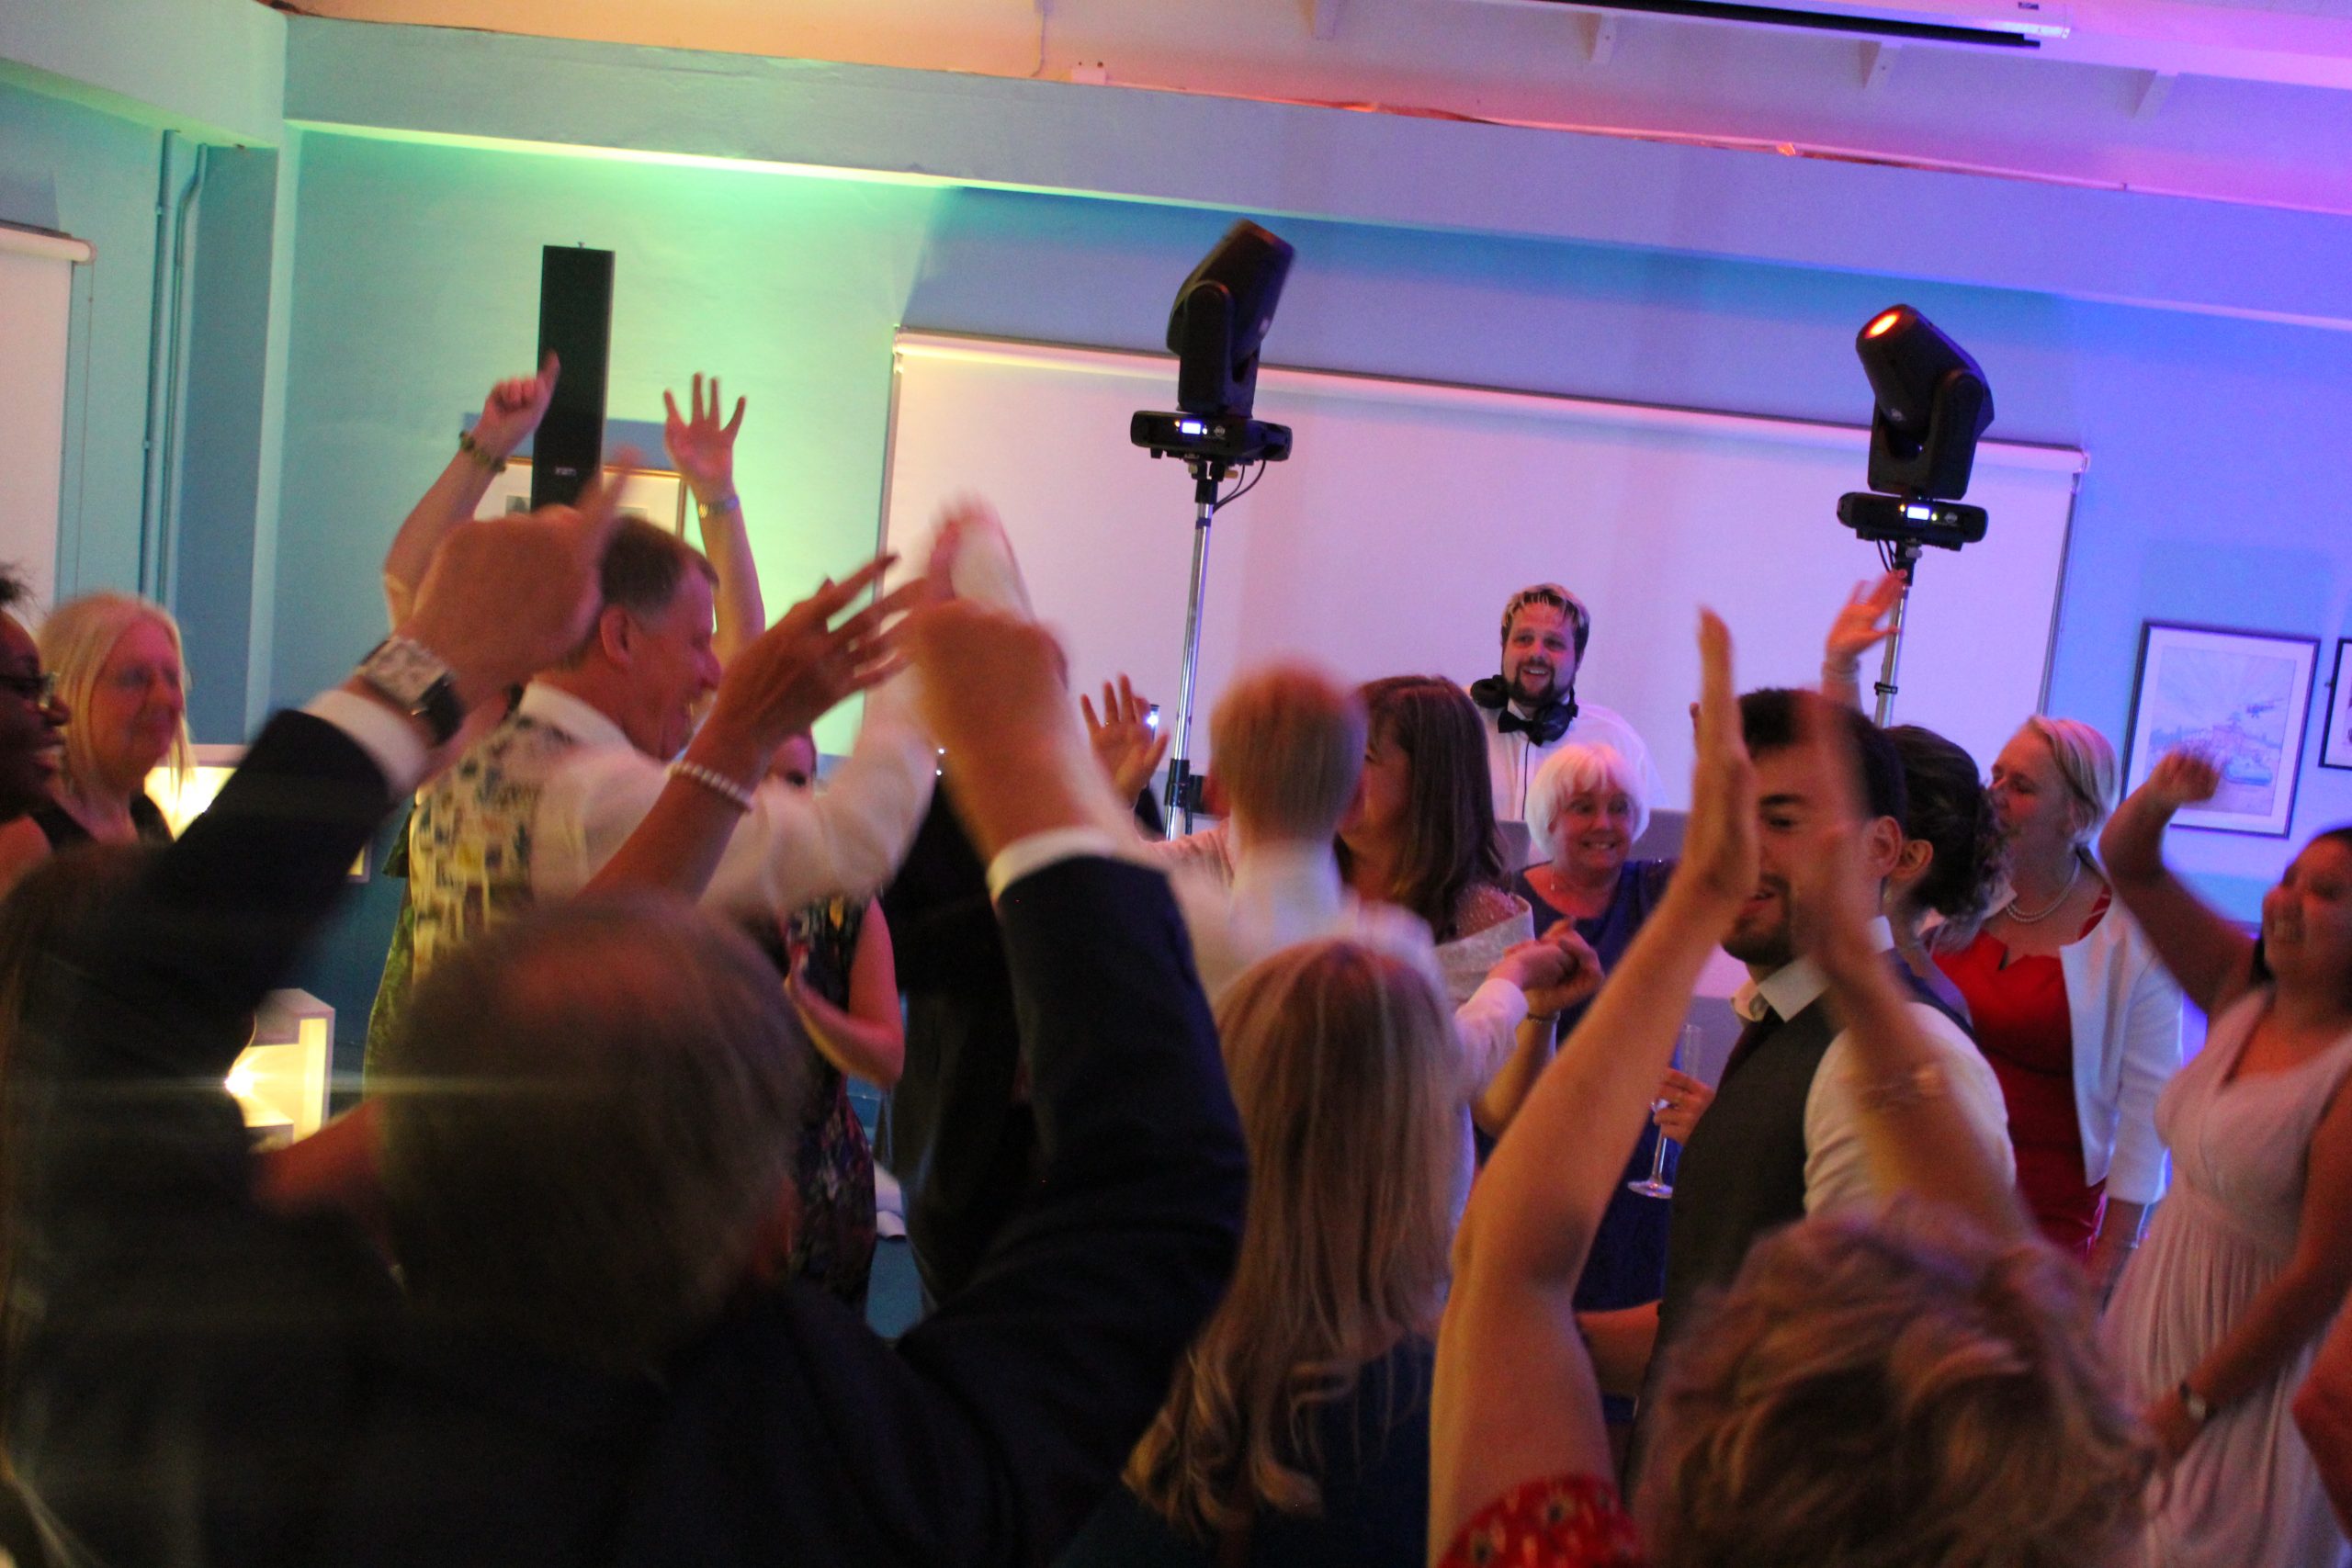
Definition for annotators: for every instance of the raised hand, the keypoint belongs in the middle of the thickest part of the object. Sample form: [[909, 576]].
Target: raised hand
[[791, 674], [1719, 840], [508, 596], [2181, 778], [1832, 903], [995, 693], [1125, 741], [515, 407], [703, 448], [1863, 622]]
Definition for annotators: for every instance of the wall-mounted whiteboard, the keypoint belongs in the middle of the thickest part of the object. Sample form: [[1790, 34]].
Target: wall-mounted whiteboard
[[36, 307], [1411, 511]]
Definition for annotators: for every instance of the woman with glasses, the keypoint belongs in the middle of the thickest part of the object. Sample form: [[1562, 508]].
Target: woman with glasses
[[115, 662]]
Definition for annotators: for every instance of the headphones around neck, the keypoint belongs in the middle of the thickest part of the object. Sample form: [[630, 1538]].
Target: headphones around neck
[[1545, 725]]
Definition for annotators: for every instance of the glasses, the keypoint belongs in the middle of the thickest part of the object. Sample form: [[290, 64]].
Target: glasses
[[38, 688]]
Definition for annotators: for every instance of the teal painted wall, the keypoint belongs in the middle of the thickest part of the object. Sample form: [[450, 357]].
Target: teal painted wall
[[418, 274]]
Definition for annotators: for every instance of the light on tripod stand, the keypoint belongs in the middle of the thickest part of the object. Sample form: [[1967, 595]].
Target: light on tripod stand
[[1216, 330], [1930, 405]]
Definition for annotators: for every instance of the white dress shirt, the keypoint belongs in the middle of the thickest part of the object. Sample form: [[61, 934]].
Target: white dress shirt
[[1836, 1175], [1283, 893], [791, 848]]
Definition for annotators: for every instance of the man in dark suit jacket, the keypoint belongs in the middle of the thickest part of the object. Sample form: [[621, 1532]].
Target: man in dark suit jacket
[[203, 1380]]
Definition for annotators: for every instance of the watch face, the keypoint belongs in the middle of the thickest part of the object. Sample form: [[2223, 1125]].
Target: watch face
[[402, 670]]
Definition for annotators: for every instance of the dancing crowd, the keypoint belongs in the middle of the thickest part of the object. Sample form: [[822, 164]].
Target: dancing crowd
[[1344, 1183]]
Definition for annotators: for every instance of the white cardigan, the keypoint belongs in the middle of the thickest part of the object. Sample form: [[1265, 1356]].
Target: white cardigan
[[2125, 1008]]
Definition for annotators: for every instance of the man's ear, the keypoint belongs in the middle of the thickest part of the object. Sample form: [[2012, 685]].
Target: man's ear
[[615, 634]]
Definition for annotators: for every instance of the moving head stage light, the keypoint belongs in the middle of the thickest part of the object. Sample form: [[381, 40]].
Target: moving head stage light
[[1930, 405], [1217, 325]]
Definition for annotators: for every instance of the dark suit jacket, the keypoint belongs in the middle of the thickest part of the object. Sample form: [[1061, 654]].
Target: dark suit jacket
[[203, 1382]]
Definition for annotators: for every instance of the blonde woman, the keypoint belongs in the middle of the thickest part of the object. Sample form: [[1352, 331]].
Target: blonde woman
[[116, 659], [1297, 1429], [2078, 1018]]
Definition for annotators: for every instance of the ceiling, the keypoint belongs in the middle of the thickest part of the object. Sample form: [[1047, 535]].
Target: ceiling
[[2232, 100]]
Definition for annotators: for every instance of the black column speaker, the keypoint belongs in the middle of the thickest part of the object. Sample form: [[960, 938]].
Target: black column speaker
[[576, 323]]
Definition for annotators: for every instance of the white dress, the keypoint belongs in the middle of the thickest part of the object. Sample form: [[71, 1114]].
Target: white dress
[[2246, 1494]]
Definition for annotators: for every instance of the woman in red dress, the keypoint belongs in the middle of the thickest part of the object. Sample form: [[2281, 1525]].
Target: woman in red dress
[[2081, 1023]]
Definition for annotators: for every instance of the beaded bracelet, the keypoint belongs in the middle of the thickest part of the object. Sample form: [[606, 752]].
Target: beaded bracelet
[[719, 783], [479, 453]]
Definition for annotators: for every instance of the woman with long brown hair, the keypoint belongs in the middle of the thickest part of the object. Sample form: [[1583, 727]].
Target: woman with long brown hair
[[1422, 833]]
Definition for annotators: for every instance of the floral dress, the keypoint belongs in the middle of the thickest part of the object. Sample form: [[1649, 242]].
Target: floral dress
[[833, 1167], [1563, 1521]]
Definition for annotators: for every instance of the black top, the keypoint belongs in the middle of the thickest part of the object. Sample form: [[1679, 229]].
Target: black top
[[1374, 1448], [308, 1418], [64, 830]]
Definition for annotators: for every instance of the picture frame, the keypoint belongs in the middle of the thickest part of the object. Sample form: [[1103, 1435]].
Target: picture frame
[[2336, 740], [658, 495], [2241, 698]]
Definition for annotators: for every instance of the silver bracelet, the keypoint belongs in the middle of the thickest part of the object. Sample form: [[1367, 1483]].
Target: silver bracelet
[[719, 783], [731, 501]]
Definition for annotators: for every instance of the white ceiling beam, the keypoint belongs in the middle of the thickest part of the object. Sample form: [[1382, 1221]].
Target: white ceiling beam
[[1601, 36], [1878, 64], [2155, 86]]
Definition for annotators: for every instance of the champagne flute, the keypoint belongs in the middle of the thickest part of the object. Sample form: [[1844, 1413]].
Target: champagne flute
[[1686, 1049]]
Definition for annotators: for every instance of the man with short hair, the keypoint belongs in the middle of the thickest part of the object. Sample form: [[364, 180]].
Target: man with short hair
[[1531, 708], [1289, 743], [1783, 1137], [535, 810]]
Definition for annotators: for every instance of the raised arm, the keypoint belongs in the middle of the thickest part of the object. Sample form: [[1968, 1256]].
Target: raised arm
[[704, 450], [788, 678], [1058, 1353], [2213, 959], [509, 415], [1861, 625], [1515, 1399]]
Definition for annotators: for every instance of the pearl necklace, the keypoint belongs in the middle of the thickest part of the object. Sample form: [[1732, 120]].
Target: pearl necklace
[[2019, 917]]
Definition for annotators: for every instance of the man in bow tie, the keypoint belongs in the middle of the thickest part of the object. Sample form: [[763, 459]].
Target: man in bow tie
[[1531, 708]]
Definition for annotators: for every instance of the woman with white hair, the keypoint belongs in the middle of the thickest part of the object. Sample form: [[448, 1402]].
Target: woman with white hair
[[2079, 1018], [1585, 810], [116, 660]]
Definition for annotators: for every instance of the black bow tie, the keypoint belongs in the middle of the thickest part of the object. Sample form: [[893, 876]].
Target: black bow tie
[[1549, 723]]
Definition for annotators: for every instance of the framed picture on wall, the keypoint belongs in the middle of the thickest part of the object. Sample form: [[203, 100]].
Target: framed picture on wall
[[657, 495], [2336, 741], [2239, 697]]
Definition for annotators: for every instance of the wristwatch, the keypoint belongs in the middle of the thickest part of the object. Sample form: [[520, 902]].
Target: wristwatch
[[2194, 1404], [413, 678]]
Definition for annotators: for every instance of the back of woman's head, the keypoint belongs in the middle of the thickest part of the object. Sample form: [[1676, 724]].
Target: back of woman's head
[[1344, 1068], [1952, 811], [1900, 1392], [1448, 842]]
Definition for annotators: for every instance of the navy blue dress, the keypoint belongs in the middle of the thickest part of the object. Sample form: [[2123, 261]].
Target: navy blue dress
[[1628, 1262]]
